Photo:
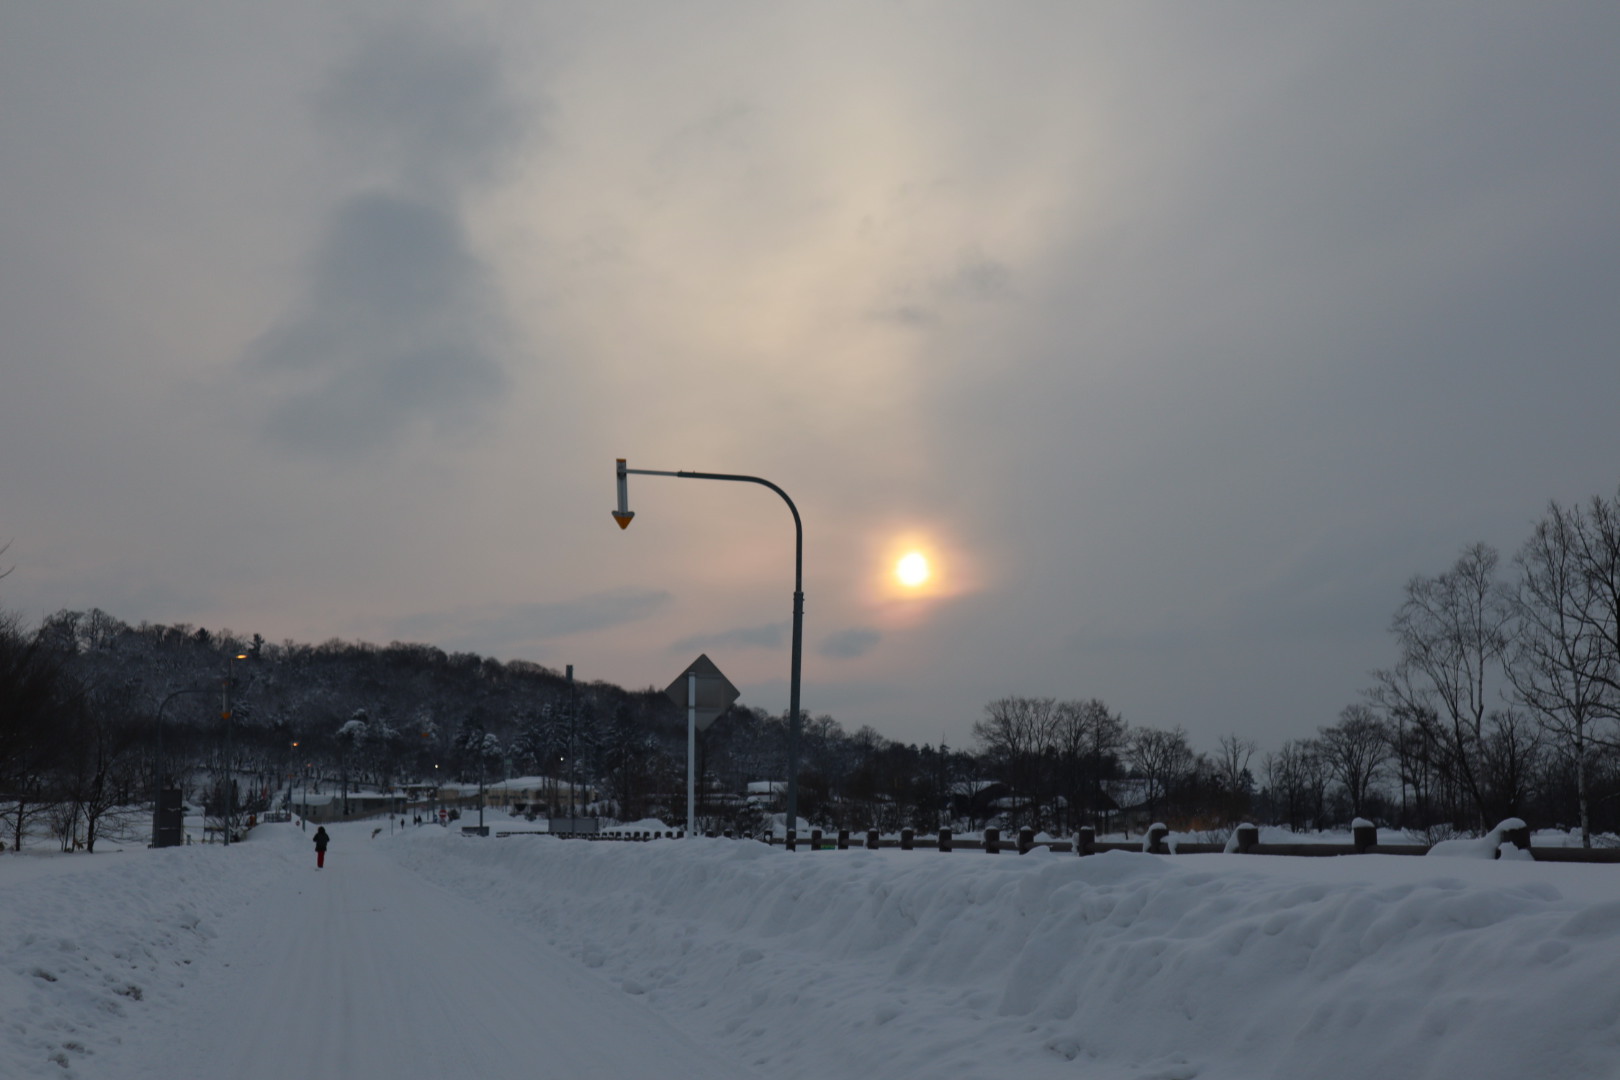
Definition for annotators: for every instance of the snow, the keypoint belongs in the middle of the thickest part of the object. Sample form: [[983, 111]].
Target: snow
[[1489, 846], [425, 952]]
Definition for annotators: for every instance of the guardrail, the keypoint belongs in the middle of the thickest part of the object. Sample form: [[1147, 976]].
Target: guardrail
[[1246, 841]]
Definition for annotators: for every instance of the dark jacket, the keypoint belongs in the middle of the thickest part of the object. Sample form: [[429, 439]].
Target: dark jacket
[[321, 838]]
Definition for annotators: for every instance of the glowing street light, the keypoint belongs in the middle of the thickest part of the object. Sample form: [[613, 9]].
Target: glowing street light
[[623, 516]]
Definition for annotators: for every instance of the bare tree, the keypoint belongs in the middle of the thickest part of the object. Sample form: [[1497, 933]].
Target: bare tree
[[1017, 734], [1291, 780], [1562, 664], [1355, 750], [1089, 738], [1163, 759], [1232, 773], [1452, 635]]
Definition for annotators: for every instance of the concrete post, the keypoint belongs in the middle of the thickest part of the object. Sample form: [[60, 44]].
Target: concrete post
[[871, 839], [944, 839], [908, 839], [992, 841], [1026, 840]]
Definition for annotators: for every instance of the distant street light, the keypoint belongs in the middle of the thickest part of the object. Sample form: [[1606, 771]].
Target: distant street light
[[623, 516], [160, 769], [225, 714]]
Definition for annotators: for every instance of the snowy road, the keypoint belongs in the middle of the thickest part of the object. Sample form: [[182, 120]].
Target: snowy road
[[430, 954], [366, 970]]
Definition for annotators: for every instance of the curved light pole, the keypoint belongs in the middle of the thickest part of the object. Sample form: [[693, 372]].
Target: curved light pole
[[624, 514]]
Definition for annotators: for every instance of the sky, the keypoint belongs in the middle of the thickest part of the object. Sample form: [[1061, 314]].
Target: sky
[[1178, 339]]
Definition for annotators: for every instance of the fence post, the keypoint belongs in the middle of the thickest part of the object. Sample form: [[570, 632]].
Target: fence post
[[1156, 835], [992, 841], [907, 839], [1026, 840], [1248, 838], [1365, 835], [843, 839], [871, 839], [792, 840], [1085, 841], [944, 839], [1519, 837], [815, 839]]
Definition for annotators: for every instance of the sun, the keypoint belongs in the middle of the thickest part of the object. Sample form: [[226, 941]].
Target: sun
[[912, 569]]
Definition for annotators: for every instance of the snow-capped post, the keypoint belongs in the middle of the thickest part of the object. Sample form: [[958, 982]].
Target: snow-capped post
[[992, 841], [791, 840], [1085, 841], [843, 839], [1364, 834], [1155, 839], [1026, 840], [1519, 837], [944, 839], [1248, 838], [908, 838], [872, 839]]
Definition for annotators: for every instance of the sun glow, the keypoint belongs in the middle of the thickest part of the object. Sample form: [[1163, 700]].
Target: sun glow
[[912, 569]]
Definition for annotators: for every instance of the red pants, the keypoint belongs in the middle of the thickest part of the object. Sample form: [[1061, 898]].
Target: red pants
[[320, 859]]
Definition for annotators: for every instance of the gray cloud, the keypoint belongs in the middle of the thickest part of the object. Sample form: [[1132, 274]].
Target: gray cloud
[[496, 629], [849, 644], [772, 636], [399, 325], [395, 329], [427, 105]]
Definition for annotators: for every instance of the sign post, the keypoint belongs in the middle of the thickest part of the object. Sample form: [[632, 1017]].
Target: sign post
[[705, 693]]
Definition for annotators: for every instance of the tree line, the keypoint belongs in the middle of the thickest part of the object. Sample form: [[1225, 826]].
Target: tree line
[[1504, 700]]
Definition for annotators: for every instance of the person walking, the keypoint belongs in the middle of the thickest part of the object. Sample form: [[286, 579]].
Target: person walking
[[321, 840]]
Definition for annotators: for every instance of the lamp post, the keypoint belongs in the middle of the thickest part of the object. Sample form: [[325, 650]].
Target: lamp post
[[573, 763], [159, 767], [623, 516], [292, 778], [225, 714]]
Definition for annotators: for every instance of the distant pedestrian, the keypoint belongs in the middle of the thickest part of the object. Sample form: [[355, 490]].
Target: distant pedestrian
[[321, 840]]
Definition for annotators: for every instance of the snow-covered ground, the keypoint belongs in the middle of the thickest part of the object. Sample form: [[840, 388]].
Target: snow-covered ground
[[424, 952]]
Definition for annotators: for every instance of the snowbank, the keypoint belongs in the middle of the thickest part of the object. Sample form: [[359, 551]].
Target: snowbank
[[903, 965], [93, 947], [894, 964]]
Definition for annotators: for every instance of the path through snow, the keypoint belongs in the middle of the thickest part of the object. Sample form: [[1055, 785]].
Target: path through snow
[[366, 970]]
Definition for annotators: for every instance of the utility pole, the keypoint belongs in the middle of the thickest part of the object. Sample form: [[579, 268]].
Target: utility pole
[[573, 769]]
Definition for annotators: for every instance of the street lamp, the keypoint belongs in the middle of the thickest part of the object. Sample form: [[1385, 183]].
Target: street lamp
[[623, 516], [225, 714], [159, 770], [292, 777]]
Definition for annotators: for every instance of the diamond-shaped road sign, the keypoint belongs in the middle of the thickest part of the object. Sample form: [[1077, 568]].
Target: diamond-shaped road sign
[[714, 691]]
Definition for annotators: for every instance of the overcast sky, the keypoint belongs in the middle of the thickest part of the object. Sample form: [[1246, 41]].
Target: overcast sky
[[1179, 337]]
